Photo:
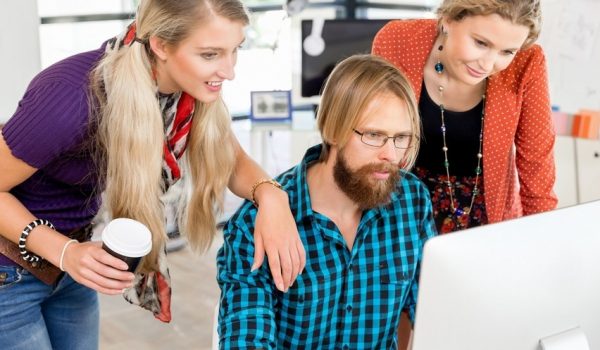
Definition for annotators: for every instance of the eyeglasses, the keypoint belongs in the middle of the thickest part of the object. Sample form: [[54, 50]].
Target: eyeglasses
[[376, 139]]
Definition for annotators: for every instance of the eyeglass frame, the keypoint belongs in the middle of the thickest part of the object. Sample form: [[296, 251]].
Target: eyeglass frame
[[394, 138]]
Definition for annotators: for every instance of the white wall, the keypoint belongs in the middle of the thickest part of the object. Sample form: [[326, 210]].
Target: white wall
[[20, 52]]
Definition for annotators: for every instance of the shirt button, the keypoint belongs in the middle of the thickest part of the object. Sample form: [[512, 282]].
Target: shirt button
[[349, 308], [346, 347], [350, 266]]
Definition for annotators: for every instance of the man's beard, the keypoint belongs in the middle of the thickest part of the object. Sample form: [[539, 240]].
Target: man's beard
[[360, 186]]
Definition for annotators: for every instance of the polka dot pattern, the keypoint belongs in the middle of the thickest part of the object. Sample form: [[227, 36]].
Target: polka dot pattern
[[518, 137]]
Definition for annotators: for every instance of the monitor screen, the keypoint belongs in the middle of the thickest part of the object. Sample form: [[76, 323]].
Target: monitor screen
[[511, 284], [342, 38]]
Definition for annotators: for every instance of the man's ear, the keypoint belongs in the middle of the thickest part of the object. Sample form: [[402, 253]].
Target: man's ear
[[158, 47]]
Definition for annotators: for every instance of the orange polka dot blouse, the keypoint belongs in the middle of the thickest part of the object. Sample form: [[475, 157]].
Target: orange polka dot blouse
[[518, 135]]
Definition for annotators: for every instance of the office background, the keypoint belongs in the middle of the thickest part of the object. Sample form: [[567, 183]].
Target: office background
[[35, 34]]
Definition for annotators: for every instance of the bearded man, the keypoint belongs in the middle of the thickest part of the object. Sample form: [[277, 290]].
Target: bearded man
[[363, 220]]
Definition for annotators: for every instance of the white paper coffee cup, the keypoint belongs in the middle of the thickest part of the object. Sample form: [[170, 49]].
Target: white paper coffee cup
[[128, 240]]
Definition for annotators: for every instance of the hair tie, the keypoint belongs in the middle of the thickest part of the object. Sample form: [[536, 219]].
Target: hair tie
[[136, 39]]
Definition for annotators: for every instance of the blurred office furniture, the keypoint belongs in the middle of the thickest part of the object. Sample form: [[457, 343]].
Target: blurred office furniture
[[588, 169], [577, 170]]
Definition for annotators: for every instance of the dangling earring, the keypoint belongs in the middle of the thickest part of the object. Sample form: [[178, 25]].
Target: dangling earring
[[439, 67]]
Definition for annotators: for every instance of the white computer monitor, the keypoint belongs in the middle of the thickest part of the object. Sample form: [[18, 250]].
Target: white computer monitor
[[506, 286]]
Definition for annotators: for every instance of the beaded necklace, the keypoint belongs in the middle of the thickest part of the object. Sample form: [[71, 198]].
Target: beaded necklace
[[457, 211]]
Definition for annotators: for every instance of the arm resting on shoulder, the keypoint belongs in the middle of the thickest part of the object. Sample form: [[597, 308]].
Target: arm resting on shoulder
[[276, 233]]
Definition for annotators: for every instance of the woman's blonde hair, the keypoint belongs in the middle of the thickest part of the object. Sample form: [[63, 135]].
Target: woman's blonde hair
[[354, 83], [130, 127], [522, 12]]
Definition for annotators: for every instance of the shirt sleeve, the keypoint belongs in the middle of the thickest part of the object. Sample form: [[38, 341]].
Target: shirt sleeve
[[247, 304], [427, 231], [51, 118], [380, 42], [535, 141]]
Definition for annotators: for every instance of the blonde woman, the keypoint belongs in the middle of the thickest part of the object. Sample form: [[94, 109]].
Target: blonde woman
[[487, 149], [127, 120]]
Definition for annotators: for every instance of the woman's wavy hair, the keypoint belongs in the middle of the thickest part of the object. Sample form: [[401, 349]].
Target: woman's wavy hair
[[130, 127], [350, 87], [522, 12]]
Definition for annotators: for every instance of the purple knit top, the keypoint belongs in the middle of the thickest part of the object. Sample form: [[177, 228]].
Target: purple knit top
[[48, 131]]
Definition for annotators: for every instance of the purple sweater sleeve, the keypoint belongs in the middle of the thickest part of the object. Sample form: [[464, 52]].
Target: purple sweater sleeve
[[51, 118]]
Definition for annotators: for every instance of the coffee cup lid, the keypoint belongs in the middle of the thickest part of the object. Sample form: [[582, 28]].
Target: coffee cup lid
[[127, 237]]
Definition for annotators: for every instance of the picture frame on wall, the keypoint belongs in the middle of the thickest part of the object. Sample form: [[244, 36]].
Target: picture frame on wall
[[271, 105]]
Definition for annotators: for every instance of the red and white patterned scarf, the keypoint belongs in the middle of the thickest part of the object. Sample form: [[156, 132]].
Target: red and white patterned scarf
[[177, 111]]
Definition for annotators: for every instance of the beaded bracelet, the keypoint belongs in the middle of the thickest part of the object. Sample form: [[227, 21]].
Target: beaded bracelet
[[27, 256], [260, 182]]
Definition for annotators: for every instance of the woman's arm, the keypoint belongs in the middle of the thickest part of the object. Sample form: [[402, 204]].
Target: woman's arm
[[275, 228], [535, 141], [87, 263]]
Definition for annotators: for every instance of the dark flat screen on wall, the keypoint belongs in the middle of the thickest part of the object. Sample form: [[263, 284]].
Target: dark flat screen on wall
[[342, 38]]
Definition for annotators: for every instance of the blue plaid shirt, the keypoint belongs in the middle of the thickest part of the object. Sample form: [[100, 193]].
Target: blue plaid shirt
[[344, 299]]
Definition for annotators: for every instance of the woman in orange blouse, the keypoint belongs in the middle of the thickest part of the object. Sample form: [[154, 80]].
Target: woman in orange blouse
[[487, 145], [486, 152]]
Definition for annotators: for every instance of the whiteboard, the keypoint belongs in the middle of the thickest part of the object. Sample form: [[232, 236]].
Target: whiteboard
[[571, 40]]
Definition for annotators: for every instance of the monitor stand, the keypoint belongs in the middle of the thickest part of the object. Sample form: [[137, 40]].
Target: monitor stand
[[572, 339]]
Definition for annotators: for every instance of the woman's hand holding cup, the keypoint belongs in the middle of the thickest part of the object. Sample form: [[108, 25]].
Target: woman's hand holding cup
[[107, 267]]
